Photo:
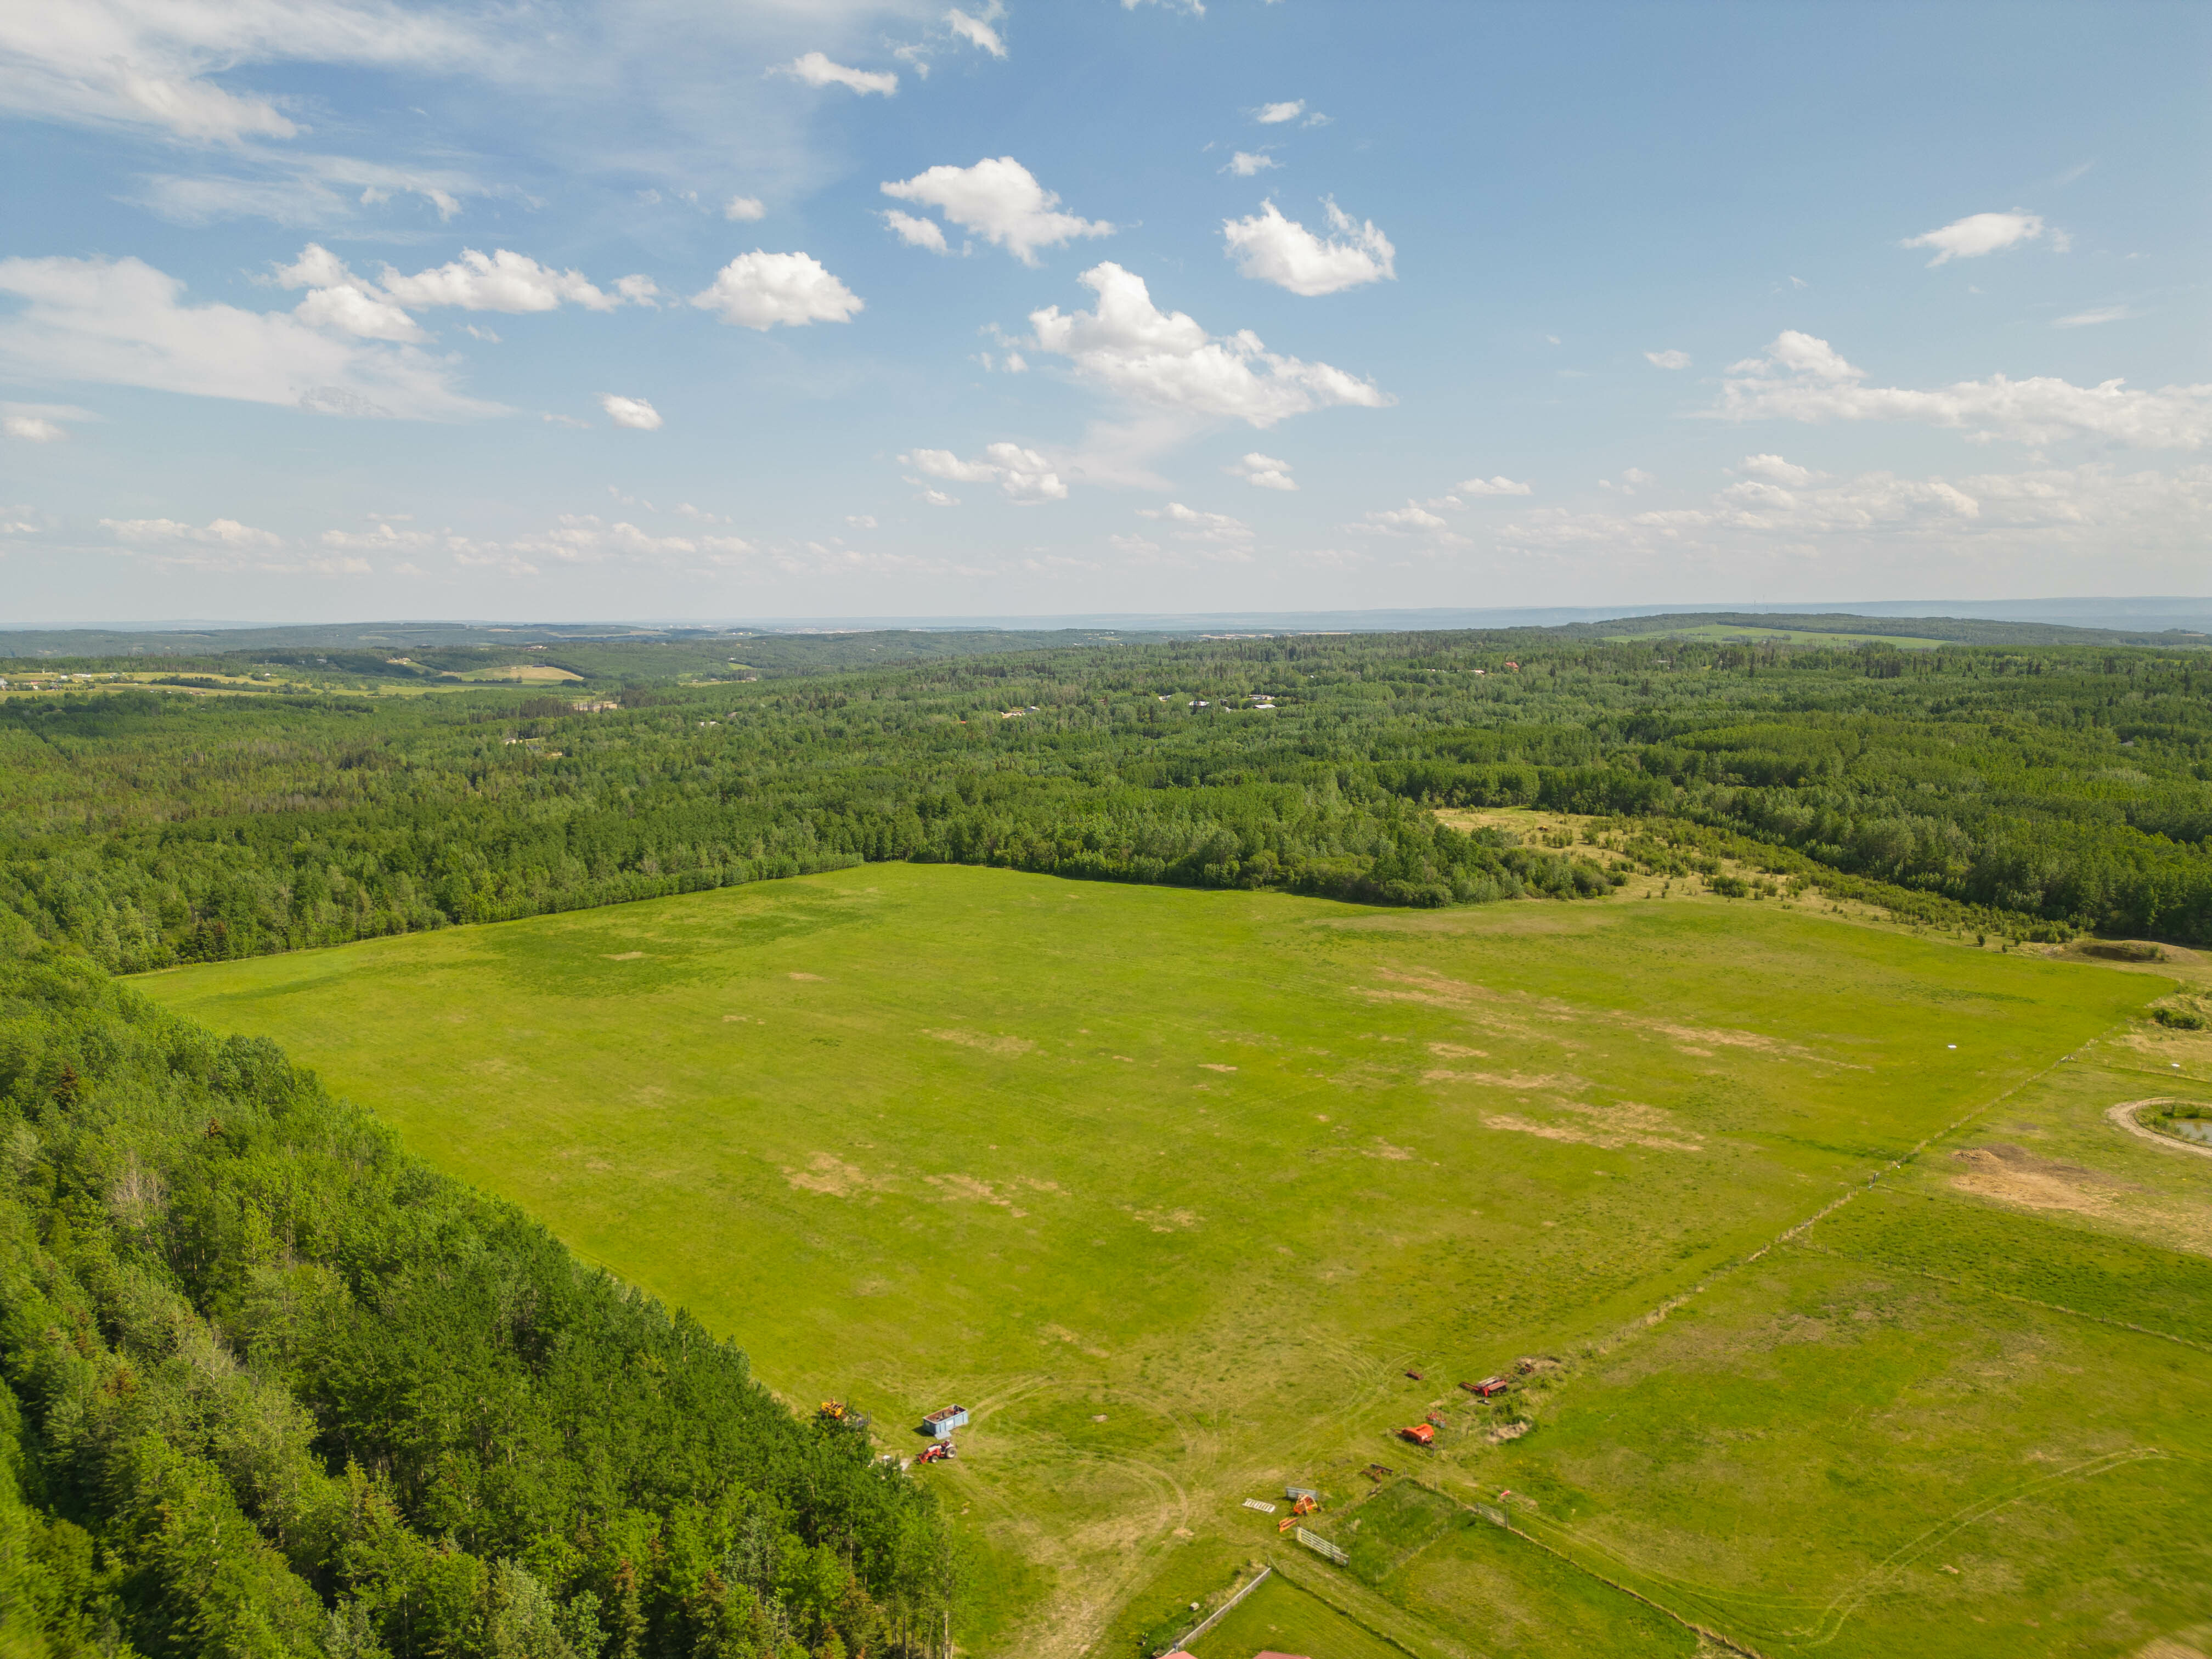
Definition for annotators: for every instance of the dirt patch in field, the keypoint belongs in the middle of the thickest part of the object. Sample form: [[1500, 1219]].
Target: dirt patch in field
[[1006, 1046], [1384, 1149], [626, 955], [1627, 1124], [1166, 1221], [969, 1189], [1206, 1065], [815, 979], [2182, 1644], [1521, 1081], [830, 1174], [1453, 1051], [1723, 1037], [2013, 1175]]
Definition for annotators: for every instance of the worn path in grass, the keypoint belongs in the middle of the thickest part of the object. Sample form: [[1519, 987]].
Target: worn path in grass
[[1169, 1188]]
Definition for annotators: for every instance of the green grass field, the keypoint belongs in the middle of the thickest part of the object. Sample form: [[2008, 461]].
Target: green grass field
[[1172, 1188]]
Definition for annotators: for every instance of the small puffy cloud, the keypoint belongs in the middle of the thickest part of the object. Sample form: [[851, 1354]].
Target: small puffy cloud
[[1500, 486], [861, 520], [634, 413], [2091, 319], [1244, 163], [638, 290], [1193, 525], [1802, 378], [816, 70], [218, 533], [489, 336], [1411, 517], [1274, 115], [585, 539], [225, 544], [1774, 470], [1636, 478], [1262, 471], [33, 429], [915, 232], [929, 497], [386, 538], [1022, 475], [742, 210], [359, 312], [509, 282], [1130, 347], [759, 291], [977, 30], [1274, 249], [1669, 359], [1000, 200], [1977, 234], [337, 299]]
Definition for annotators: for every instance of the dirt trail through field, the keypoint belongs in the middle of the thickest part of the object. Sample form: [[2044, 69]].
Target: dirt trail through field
[[2124, 1115]]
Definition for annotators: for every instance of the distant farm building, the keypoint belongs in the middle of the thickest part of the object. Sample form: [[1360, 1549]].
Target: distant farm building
[[940, 1424]]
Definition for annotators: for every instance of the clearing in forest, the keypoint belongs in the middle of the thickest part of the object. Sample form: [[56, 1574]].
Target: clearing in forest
[[1171, 1189]]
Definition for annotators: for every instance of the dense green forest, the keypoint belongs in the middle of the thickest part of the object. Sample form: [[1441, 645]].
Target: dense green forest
[[2063, 789], [269, 1387]]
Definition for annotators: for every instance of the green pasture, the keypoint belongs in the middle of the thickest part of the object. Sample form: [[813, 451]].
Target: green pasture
[[1170, 1188]]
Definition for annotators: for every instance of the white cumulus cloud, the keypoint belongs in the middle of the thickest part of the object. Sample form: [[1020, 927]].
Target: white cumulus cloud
[[1273, 249], [1802, 378], [1410, 517], [1499, 486], [916, 232], [759, 291], [1131, 348], [634, 413], [127, 62], [1775, 470], [121, 322], [1274, 115], [33, 428], [816, 69], [1022, 475], [1975, 234], [1262, 471], [742, 210], [977, 30], [1667, 359], [1243, 163], [1000, 200], [505, 280], [1193, 525]]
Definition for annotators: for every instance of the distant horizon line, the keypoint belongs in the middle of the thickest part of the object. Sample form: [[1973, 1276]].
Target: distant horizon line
[[1961, 609]]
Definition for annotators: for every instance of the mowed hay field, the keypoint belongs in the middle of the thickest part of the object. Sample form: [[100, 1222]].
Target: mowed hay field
[[1172, 1188]]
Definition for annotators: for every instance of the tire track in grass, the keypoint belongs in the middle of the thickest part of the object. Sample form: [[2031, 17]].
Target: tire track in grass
[[1657, 1316], [1849, 1600]]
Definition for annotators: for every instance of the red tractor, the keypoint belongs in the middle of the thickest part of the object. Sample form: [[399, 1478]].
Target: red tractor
[[1421, 1434], [937, 1453]]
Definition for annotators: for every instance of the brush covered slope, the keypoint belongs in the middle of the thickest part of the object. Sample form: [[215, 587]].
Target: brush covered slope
[[1171, 1189], [274, 1388]]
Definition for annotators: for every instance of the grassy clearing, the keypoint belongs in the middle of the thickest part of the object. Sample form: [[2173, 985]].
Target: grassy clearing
[[1280, 1618], [1171, 1188]]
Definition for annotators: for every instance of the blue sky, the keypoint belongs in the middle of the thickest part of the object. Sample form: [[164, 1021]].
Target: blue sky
[[317, 309]]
